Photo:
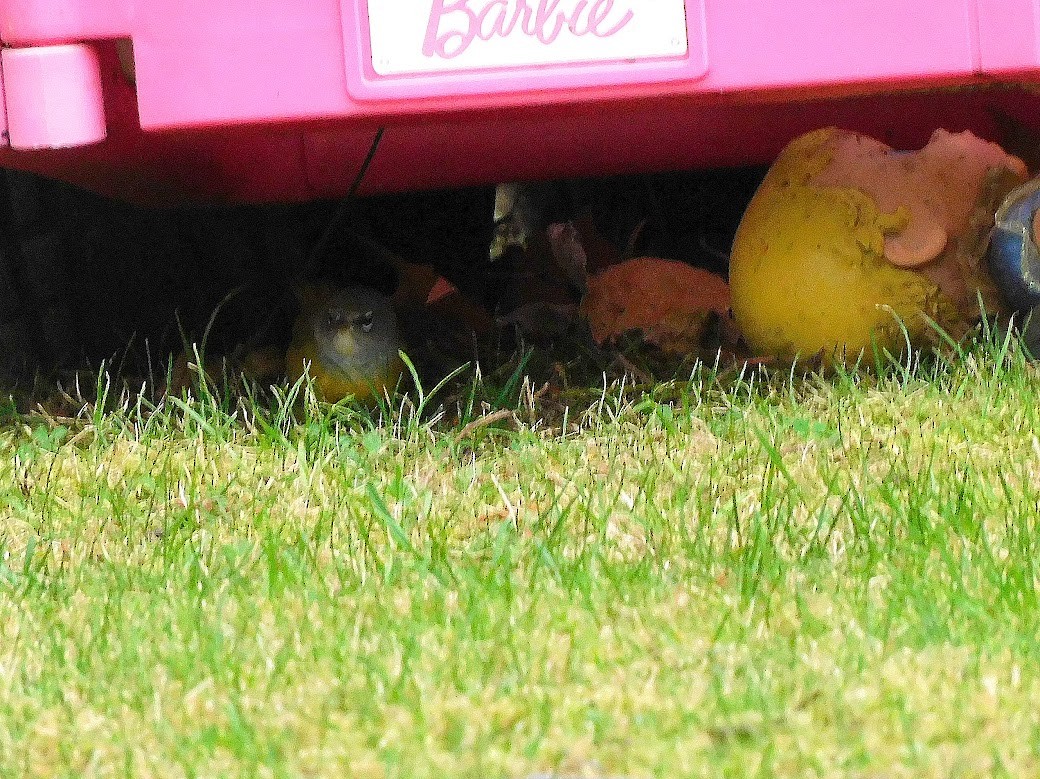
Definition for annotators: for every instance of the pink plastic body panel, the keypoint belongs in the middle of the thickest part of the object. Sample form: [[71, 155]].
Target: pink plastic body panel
[[1009, 36], [268, 99]]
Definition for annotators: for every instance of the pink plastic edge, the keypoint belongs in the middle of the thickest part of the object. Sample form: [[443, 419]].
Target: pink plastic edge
[[364, 84], [46, 23], [5, 135]]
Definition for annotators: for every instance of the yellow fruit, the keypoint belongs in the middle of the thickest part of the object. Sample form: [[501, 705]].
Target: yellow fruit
[[808, 271]]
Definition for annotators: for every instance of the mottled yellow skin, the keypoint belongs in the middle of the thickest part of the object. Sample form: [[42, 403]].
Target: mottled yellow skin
[[808, 273]]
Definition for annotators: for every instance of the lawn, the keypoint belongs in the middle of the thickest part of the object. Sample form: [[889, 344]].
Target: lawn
[[763, 576]]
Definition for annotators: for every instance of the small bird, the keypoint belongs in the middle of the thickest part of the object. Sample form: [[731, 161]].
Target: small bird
[[348, 341]]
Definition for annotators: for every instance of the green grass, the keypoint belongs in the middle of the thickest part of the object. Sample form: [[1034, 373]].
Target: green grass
[[764, 577]]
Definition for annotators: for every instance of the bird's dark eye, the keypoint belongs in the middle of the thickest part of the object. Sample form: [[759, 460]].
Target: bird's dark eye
[[365, 320], [333, 319]]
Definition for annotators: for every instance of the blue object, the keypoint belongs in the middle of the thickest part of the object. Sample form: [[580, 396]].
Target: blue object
[[1013, 256]]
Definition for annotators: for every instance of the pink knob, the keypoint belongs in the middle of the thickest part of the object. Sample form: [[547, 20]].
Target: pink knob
[[54, 96]]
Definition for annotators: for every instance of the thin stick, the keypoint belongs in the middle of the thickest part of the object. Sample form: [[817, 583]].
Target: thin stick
[[343, 207], [484, 421]]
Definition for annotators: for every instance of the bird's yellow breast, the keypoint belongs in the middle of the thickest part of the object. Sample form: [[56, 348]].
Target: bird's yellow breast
[[332, 385]]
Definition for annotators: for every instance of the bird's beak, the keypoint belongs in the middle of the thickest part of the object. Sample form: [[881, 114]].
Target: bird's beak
[[1013, 257], [343, 342]]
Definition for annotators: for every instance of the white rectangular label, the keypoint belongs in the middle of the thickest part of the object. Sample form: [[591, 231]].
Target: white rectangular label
[[437, 36]]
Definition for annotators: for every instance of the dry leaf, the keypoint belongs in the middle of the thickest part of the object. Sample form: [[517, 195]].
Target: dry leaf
[[566, 246], [600, 251], [670, 302], [579, 249], [185, 373], [263, 364], [540, 320], [462, 312], [415, 284], [539, 279], [421, 289]]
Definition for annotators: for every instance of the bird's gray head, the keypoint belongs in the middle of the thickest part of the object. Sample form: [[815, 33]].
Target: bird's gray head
[[356, 332]]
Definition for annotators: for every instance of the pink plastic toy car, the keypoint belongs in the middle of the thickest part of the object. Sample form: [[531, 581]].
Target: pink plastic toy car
[[246, 100]]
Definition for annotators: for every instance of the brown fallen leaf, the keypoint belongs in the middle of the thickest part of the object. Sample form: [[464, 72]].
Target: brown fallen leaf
[[536, 280], [185, 374], [579, 249], [415, 284], [567, 250], [601, 252], [463, 312], [420, 287], [540, 320], [670, 302], [263, 365]]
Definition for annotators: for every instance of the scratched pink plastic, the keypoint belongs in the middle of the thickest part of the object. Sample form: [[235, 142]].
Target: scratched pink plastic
[[267, 99]]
